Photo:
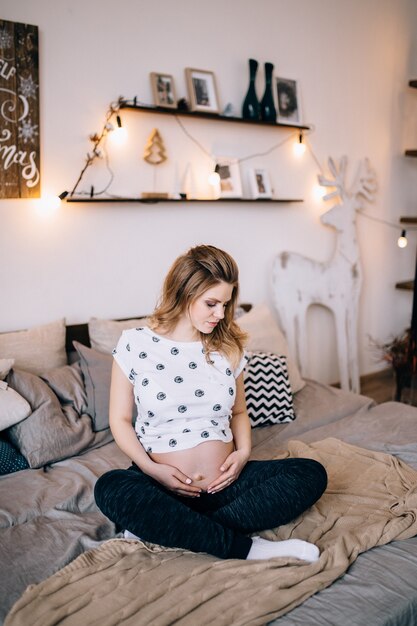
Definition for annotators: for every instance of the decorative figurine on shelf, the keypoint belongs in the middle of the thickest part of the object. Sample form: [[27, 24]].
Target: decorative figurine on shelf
[[268, 110], [182, 105], [251, 109], [155, 149], [155, 154], [228, 110]]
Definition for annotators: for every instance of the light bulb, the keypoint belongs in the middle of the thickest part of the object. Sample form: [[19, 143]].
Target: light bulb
[[402, 239], [318, 192], [47, 204], [299, 146], [118, 135], [214, 179]]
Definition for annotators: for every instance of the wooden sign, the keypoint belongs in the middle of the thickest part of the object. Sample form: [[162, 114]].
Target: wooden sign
[[19, 111]]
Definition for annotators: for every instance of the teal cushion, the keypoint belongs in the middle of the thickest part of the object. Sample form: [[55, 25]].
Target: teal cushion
[[10, 459]]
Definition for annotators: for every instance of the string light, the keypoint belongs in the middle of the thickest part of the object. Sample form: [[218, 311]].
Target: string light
[[97, 152], [118, 135], [50, 202], [402, 239], [214, 179], [299, 146]]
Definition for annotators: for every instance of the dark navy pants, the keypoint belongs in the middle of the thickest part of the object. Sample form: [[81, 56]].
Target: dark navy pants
[[266, 494]]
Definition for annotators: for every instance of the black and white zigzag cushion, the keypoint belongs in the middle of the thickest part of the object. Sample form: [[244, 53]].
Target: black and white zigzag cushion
[[267, 389]]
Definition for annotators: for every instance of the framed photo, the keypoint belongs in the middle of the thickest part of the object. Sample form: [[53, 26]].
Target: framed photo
[[163, 89], [230, 185], [288, 100], [202, 90], [259, 184]]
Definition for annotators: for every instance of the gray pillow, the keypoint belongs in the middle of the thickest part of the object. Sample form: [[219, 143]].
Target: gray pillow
[[67, 383], [96, 369], [51, 432]]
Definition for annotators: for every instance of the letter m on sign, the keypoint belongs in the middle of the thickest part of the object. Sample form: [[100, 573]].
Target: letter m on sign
[[19, 111]]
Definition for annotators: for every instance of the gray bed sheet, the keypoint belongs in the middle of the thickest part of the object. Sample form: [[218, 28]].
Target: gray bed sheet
[[380, 588], [48, 516]]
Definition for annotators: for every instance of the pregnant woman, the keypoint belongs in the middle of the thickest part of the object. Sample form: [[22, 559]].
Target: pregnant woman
[[191, 484]]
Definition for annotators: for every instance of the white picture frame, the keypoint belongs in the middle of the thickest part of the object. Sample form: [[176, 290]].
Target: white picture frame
[[202, 90], [288, 101], [230, 183], [259, 183]]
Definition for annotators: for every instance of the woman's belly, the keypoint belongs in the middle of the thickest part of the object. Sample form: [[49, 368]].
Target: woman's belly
[[201, 464]]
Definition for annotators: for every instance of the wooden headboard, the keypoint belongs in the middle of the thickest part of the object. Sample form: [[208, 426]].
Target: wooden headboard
[[76, 332], [79, 332]]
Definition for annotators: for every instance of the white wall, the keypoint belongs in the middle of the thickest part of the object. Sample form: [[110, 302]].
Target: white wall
[[353, 60]]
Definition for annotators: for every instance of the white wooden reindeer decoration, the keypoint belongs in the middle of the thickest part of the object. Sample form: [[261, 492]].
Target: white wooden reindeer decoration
[[299, 282]]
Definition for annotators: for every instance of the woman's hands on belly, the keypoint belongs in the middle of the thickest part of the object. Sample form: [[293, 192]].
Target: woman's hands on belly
[[201, 465]]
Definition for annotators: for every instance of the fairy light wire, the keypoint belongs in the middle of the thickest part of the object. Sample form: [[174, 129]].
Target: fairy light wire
[[114, 109], [361, 211]]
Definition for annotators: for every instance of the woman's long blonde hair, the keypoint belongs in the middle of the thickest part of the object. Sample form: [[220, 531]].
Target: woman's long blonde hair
[[199, 269]]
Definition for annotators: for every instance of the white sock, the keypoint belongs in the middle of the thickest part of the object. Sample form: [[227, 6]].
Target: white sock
[[264, 549], [128, 535]]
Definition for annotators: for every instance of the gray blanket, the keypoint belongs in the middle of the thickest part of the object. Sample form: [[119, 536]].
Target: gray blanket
[[48, 516], [371, 499]]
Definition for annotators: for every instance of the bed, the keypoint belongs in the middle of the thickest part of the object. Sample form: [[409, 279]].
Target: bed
[[63, 562]]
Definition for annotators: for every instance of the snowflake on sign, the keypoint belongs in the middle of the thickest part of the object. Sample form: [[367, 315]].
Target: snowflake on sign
[[28, 87], [27, 131], [6, 39]]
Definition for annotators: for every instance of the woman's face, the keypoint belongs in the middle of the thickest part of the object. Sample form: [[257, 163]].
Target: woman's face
[[207, 310]]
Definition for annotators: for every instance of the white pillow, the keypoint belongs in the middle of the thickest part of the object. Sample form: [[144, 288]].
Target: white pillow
[[13, 407], [5, 367], [266, 336], [36, 350], [104, 334]]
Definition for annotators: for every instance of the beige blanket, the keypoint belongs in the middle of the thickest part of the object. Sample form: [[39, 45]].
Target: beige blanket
[[371, 500]]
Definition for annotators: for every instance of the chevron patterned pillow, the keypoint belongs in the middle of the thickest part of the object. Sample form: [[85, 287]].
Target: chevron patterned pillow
[[267, 389]]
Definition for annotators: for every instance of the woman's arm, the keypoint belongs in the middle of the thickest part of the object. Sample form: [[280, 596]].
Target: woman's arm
[[241, 429], [240, 423], [120, 419]]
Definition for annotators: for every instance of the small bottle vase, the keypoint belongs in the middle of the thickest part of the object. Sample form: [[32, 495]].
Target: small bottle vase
[[251, 108], [268, 110]]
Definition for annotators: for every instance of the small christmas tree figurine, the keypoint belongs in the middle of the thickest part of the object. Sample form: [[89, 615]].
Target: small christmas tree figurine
[[155, 149], [155, 154]]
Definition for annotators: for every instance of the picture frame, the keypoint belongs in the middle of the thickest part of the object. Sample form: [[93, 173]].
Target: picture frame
[[230, 184], [259, 183], [163, 90], [202, 90], [288, 101]]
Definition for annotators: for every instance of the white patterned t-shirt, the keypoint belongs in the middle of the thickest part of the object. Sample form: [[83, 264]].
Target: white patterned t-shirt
[[182, 400]]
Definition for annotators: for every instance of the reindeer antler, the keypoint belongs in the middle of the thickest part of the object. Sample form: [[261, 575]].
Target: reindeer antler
[[338, 180], [365, 183]]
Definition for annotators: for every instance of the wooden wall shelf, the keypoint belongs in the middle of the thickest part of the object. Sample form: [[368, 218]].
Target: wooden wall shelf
[[180, 200], [407, 285], [126, 104], [412, 153]]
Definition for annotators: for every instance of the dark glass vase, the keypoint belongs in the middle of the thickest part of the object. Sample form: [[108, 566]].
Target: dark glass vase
[[268, 110], [251, 109]]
